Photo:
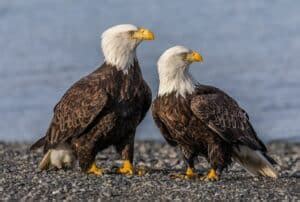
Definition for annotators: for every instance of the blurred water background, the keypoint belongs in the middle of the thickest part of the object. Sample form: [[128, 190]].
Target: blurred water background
[[251, 50]]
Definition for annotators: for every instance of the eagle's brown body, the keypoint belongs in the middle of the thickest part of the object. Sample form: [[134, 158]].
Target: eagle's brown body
[[102, 109], [206, 122]]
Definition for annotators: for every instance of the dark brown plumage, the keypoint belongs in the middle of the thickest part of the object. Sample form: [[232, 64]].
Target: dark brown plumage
[[203, 120], [101, 109], [206, 122]]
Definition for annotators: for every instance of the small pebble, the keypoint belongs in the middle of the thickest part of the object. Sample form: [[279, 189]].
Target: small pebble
[[154, 163]]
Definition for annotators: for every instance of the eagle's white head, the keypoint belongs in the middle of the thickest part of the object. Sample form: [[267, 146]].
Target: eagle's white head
[[119, 44], [173, 71]]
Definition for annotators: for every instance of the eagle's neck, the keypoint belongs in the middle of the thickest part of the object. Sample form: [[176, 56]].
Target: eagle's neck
[[119, 53], [180, 82]]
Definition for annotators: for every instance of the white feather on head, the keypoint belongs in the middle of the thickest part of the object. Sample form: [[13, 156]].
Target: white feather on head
[[174, 73], [118, 47]]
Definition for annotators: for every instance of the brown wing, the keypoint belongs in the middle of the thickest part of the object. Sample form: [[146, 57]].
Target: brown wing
[[77, 109], [224, 116]]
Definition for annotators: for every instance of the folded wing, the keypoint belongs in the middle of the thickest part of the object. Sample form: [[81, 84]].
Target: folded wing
[[76, 111], [224, 116]]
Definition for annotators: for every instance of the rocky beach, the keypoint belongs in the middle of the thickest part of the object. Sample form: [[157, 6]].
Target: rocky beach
[[157, 162]]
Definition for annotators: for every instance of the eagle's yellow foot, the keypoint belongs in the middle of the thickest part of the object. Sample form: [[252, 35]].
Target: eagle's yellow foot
[[211, 176], [95, 170], [126, 169], [189, 174]]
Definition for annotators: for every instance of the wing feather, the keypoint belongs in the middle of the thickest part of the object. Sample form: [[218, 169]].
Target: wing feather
[[224, 116], [77, 109]]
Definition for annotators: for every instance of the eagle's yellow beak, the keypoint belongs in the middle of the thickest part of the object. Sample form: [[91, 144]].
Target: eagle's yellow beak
[[143, 34], [194, 57]]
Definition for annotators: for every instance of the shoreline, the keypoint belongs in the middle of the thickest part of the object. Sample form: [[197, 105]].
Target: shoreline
[[20, 178], [292, 140]]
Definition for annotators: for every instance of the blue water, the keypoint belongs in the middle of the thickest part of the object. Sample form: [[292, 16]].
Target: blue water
[[251, 50]]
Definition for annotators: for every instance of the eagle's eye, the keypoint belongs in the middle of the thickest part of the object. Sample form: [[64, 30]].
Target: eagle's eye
[[131, 33], [184, 56]]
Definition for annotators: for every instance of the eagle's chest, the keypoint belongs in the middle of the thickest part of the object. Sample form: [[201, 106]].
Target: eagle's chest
[[130, 102], [177, 111], [181, 123], [131, 95], [128, 109]]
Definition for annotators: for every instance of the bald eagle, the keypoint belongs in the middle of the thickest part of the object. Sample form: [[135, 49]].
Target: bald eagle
[[101, 109], [203, 120]]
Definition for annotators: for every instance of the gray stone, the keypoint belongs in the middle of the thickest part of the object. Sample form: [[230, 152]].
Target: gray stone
[[20, 179]]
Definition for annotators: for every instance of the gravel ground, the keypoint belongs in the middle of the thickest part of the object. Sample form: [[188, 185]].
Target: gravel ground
[[20, 179]]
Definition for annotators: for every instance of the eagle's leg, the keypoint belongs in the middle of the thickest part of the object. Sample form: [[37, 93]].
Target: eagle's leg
[[190, 173], [88, 165], [86, 156], [188, 156], [126, 150], [219, 158]]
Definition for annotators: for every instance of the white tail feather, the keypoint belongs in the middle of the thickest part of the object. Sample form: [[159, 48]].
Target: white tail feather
[[254, 162], [45, 162], [60, 157]]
